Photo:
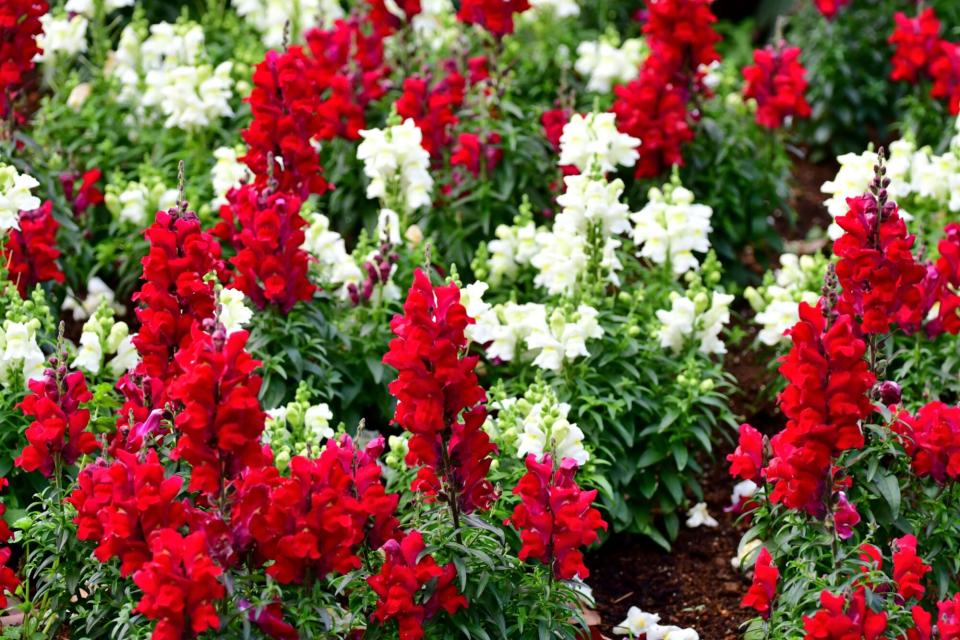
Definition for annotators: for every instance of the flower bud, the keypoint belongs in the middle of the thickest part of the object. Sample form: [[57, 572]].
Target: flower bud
[[889, 392]]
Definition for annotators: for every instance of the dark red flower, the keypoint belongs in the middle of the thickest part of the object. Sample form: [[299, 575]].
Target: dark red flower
[[19, 27], [922, 624], [945, 71], [764, 588], [948, 618], [829, 8], [839, 619], [58, 433], [386, 19], [30, 253], [180, 584], [908, 568], [85, 195], [411, 587], [932, 439], [747, 461], [496, 16], [776, 80], [915, 42], [555, 517], [681, 33], [477, 156], [8, 578], [433, 109], [269, 619]]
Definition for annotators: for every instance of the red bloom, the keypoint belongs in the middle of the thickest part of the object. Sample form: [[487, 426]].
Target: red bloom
[[945, 71], [943, 283], [948, 618], [553, 121], [764, 587], [266, 230], [476, 156], [882, 282], [908, 568], [681, 33], [58, 431], [438, 396], [496, 16], [932, 439], [221, 420], [777, 81], [915, 41], [554, 517], [747, 461], [433, 109], [845, 516], [829, 8], [838, 619], [119, 505], [401, 584], [180, 584], [824, 402], [30, 253], [8, 579], [86, 194], [19, 28], [269, 619], [922, 624], [384, 18]]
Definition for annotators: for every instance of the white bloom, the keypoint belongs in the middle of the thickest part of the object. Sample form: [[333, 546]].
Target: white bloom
[[638, 622], [66, 35], [395, 158], [743, 490], [559, 8], [234, 313], [713, 322], [86, 6], [78, 95], [15, 197], [278, 415], [191, 97], [745, 550], [388, 226], [899, 167], [852, 180], [126, 359], [317, 421], [227, 173], [513, 247], [594, 143], [98, 292], [677, 323], [606, 65], [561, 258], [671, 227], [551, 433], [710, 74], [586, 200], [20, 349], [671, 632], [699, 516], [270, 17], [776, 318], [90, 355]]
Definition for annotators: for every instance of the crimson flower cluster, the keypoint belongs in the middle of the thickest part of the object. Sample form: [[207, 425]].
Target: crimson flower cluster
[[313, 521], [30, 253], [825, 399], [654, 106], [58, 433], [81, 190], [120, 504], [19, 28], [476, 154], [439, 400], [554, 517], [8, 578], [920, 53], [830, 8], [180, 584], [841, 617], [932, 440], [266, 231], [496, 16], [400, 586], [764, 588], [433, 109], [777, 81]]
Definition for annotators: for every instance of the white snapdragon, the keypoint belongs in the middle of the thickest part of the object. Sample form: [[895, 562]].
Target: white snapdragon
[[777, 304], [671, 228], [702, 319], [546, 430], [561, 258], [433, 23], [270, 17], [227, 173], [394, 159], [588, 199], [86, 7], [98, 293], [558, 339], [234, 314], [316, 420], [90, 354], [66, 35], [136, 202], [15, 197], [647, 625], [127, 357], [334, 265], [605, 65], [593, 143], [747, 551], [559, 8], [515, 246], [388, 226], [699, 516], [19, 350], [852, 180], [743, 491]]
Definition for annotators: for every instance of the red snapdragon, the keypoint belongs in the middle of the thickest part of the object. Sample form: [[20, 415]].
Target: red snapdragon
[[746, 462], [554, 517], [945, 71], [681, 33], [8, 578], [119, 506], [180, 584], [477, 155], [84, 195], [19, 28], [916, 42], [839, 619], [776, 80], [932, 439], [433, 109], [908, 568], [58, 433], [439, 399], [948, 618], [402, 582], [942, 284], [764, 588], [829, 8], [266, 230], [30, 253], [496, 16]]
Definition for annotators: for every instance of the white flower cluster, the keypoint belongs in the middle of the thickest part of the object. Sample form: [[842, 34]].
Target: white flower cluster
[[512, 331], [539, 424], [514, 247], [233, 313], [397, 165], [699, 516], [86, 7], [64, 35], [593, 143], [270, 17], [777, 302], [227, 173], [297, 429], [852, 180], [559, 8], [640, 624], [137, 202], [102, 336], [15, 196], [168, 71], [435, 23], [19, 351], [605, 64], [98, 294], [671, 227], [702, 318]]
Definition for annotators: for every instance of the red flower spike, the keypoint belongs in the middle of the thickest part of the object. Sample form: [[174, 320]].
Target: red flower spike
[[680, 32], [554, 517], [916, 42], [839, 619], [85, 195], [477, 156], [908, 568], [746, 462], [945, 71], [58, 430], [30, 253], [433, 109], [8, 579], [180, 584], [401, 582], [496, 16], [830, 8], [922, 624], [776, 80], [19, 27], [932, 439], [948, 618], [764, 588]]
